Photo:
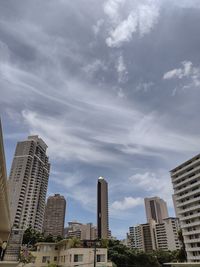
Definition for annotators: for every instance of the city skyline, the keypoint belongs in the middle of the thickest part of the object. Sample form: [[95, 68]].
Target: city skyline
[[113, 90]]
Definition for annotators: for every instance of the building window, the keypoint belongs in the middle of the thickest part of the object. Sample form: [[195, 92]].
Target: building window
[[101, 258], [55, 259], [78, 257], [45, 259]]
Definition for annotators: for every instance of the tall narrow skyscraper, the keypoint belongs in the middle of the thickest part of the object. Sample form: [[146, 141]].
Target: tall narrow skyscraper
[[28, 183], [55, 215], [156, 209], [102, 209]]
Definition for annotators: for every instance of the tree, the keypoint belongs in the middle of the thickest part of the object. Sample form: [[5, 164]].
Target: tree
[[182, 255]]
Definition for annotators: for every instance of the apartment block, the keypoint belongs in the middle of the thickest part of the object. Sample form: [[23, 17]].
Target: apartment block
[[152, 236], [166, 234], [54, 218], [28, 183], [81, 231], [186, 184]]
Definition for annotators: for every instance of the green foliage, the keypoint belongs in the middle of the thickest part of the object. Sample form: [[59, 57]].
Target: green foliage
[[31, 236], [182, 256], [26, 256]]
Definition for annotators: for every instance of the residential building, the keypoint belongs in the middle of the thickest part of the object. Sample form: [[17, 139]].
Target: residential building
[[186, 184], [28, 183], [152, 236], [166, 234], [156, 209], [54, 218], [65, 255], [80, 231], [102, 209], [142, 236]]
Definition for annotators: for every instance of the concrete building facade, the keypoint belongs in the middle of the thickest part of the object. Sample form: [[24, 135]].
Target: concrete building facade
[[156, 209], [81, 231], [102, 209], [62, 254], [186, 184], [28, 183], [54, 218], [152, 236]]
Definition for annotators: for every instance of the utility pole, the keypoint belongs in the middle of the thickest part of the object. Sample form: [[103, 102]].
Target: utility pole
[[95, 253]]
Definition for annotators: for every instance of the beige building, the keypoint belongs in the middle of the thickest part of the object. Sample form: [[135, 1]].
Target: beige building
[[167, 234], [102, 209], [54, 218], [152, 236], [186, 184], [156, 209], [28, 183], [63, 255], [81, 231]]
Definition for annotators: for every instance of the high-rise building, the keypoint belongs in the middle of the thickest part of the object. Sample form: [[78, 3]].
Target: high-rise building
[[102, 208], [54, 218], [156, 209], [28, 183], [186, 184], [167, 234]]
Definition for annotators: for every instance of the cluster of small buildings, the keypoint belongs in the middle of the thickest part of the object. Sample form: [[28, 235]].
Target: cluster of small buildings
[[160, 231]]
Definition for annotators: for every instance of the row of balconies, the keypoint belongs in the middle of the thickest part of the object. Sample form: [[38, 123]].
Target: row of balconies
[[187, 166], [187, 180], [186, 188], [196, 167]]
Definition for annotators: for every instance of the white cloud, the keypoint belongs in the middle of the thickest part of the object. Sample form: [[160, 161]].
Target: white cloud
[[112, 9], [94, 67], [141, 19], [188, 73], [127, 203], [187, 70], [121, 69], [154, 184]]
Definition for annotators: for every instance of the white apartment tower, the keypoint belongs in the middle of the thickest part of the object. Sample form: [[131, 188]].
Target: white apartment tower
[[186, 184], [156, 209], [28, 183]]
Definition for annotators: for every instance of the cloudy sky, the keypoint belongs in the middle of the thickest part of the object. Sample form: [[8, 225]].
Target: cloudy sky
[[113, 88]]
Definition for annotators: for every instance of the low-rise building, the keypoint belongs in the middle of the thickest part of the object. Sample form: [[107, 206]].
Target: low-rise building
[[63, 255]]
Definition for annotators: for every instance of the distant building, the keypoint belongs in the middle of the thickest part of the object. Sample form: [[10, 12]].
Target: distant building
[[156, 209], [80, 231], [152, 236], [186, 184], [62, 254], [54, 218], [167, 234], [28, 183], [102, 209]]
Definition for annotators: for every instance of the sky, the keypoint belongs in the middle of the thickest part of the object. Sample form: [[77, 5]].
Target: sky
[[112, 87]]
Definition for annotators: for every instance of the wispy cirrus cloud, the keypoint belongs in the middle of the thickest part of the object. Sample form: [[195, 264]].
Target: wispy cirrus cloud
[[141, 19]]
